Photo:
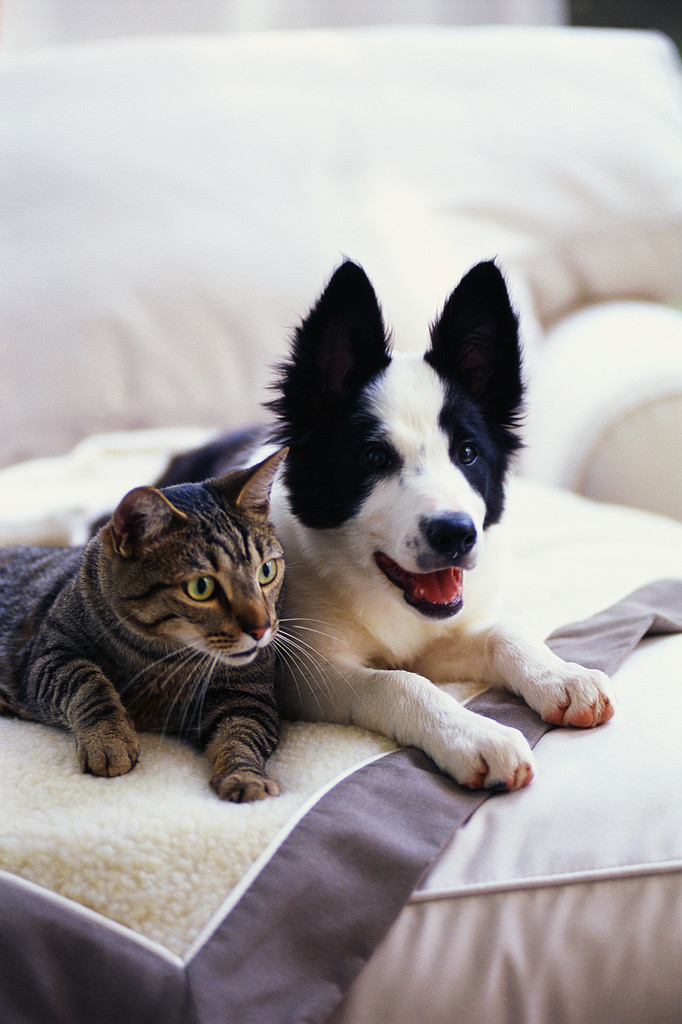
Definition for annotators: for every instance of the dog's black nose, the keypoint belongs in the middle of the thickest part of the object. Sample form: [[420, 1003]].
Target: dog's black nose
[[452, 534]]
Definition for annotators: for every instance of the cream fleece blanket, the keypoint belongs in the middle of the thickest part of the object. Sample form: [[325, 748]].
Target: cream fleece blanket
[[156, 850]]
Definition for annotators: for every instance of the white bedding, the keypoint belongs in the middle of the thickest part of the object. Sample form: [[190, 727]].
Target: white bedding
[[156, 851]]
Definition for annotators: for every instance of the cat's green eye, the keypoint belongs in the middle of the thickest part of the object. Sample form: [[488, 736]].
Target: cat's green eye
[[201, 588], [268, 572]]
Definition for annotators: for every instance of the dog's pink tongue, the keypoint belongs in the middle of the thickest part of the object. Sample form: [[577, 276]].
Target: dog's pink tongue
[[441, 587]]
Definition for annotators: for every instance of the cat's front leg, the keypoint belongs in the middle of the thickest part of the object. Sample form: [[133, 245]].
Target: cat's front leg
[[106, 741], [109, 748], [237, 751]]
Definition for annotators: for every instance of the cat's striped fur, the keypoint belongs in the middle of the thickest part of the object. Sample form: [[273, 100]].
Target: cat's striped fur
[[163, 621]]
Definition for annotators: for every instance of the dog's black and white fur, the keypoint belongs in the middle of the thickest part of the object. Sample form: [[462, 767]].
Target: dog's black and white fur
[[388, 511]]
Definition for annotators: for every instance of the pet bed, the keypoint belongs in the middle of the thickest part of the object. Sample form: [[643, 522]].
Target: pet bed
[[354, 896]]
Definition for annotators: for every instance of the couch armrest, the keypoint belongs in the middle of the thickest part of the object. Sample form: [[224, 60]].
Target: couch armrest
[[605, 406]]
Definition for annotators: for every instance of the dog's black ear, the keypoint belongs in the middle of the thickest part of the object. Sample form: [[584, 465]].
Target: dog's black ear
[[475, 343], [347, 334], [339, 347]]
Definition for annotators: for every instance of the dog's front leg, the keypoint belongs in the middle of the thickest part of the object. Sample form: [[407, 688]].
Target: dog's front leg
[[476, 751], [563, 692], [508, 656]]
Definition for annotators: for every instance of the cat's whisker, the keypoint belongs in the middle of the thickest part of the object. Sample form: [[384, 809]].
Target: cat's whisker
[[201, 684], [313, 671], [184, 664], [186, 691], [212, 662], [311, 651], [342, 610], [295, 666], [299, 624], [182, 656], [294, 670]]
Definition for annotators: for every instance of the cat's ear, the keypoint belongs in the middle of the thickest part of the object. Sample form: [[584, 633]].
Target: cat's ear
[[141, 517], [249, 489]]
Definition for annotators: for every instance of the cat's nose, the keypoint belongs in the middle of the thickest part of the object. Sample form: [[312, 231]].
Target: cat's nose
[[254, 626], [257, 632]]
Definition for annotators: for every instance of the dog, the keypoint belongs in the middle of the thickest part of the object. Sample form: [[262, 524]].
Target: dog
[[388, 509]]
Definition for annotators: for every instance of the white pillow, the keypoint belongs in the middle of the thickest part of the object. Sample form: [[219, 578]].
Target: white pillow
[[170, 207]]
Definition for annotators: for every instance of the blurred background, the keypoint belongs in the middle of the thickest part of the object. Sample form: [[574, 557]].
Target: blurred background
[[168, 173], [30, 23]]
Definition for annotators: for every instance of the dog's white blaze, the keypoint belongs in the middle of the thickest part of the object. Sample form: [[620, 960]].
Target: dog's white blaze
[[407, 400]]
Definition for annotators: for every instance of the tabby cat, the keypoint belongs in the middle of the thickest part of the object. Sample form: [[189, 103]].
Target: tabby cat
[[163, 621]]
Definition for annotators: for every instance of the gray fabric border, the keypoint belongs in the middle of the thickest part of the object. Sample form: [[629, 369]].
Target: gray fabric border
[[292, 945], [62, 966], [606, 639]]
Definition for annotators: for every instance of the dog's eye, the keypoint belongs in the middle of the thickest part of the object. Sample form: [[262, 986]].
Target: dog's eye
[[467, 453], [377, 456]]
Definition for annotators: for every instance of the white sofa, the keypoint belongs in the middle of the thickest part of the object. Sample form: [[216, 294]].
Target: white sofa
[[175, 205], [170, 207]]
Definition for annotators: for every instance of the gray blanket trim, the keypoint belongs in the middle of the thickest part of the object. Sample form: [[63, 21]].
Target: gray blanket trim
[[292, 945], [61, 966], [606, 639]]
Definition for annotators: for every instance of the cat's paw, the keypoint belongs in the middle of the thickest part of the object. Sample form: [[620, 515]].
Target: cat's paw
[[244, 787], [109, 749], [577, 696]]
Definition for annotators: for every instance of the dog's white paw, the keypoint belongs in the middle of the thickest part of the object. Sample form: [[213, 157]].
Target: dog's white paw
[[490, 756], [576, 696]]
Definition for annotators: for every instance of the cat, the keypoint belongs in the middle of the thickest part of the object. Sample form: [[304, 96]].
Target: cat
[[162, 621]]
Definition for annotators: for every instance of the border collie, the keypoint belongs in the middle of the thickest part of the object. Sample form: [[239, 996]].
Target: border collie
[[388, 509]]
